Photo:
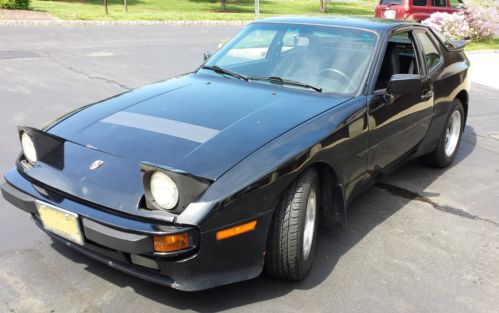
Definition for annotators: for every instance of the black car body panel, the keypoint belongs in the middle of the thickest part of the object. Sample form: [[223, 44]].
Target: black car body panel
[[205, 146], [201, 268], [203, 128], [244, 142]]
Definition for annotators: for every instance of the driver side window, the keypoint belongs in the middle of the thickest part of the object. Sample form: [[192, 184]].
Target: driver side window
[[400, 58]]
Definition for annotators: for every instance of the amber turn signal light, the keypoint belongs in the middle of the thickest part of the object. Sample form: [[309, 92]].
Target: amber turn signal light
[[236, 230], [170, 243]]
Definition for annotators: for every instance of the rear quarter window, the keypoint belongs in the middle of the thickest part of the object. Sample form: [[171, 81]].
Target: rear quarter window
[[419, 3], [431, 53], [438, 3], [446, 42]]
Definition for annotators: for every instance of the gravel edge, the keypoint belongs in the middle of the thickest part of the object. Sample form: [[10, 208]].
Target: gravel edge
[[123, 23], [482, 51]]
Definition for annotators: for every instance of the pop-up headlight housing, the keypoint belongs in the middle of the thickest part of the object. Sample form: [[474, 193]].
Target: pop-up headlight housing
[[170, 190], [28, 147], [39, 146]]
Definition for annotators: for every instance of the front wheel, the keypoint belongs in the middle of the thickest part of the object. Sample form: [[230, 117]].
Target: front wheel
[[448, 144], [291, 244]]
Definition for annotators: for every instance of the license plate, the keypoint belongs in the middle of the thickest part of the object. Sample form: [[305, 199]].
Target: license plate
[[60, 222], [389, 14]]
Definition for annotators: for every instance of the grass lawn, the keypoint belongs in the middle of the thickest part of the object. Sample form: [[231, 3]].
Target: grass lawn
[[486, 45], [193, 9]]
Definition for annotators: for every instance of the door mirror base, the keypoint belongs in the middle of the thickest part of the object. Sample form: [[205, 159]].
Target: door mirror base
[[388, 98], [206, 55]]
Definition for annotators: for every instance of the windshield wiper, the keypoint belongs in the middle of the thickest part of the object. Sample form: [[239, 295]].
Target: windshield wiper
[[220, 70], [283, 81], [272, 79]]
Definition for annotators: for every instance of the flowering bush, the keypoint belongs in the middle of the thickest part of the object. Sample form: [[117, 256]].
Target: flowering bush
[[478, 22], [483, 20], [453, 26]]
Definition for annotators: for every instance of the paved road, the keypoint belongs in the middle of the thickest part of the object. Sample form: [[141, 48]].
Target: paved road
[[425, 241], [485, 65]]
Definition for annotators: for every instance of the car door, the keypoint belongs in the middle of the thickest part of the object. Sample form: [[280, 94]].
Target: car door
[[398, 122]]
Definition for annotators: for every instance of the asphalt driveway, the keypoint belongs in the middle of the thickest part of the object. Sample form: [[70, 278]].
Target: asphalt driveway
[[423, 240]]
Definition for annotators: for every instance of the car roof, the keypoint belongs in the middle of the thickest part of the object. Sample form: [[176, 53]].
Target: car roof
[[375, 24]]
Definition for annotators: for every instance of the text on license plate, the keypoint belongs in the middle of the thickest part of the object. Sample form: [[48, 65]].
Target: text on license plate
[[60, 222]]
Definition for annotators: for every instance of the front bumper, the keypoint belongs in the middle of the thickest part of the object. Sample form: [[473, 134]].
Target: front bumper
[[124, 242]]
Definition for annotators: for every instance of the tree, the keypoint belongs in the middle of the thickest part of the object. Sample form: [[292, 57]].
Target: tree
[[222, 2], [323, 6]]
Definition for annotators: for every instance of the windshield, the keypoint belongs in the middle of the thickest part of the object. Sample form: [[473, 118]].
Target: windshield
[[327, 59]]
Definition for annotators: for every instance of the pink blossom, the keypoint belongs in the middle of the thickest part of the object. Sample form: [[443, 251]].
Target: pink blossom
[[477, 22]]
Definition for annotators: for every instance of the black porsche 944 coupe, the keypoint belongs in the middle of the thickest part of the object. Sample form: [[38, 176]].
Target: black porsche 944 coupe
[[212, 177]]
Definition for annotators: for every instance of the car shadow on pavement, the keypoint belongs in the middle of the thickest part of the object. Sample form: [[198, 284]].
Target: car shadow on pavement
[[366, 212]]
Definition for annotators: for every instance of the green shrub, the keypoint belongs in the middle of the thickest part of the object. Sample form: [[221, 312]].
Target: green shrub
[[14, 4]]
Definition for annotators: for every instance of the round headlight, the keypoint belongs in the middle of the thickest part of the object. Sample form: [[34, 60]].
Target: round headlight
[[164, 190], [28, 148]]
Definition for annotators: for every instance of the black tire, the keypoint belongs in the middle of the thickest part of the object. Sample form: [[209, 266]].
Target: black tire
[[438, 158], [285, 256]]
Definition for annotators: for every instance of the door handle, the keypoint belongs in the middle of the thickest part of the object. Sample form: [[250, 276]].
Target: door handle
[[426, 94]]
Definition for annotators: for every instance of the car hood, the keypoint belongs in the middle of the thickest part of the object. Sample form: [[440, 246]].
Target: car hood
[[201, 124]]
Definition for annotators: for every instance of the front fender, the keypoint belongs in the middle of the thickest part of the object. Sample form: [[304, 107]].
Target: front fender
[[337, 137]]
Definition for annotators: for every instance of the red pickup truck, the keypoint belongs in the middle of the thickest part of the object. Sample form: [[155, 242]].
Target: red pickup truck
[[416, 10]]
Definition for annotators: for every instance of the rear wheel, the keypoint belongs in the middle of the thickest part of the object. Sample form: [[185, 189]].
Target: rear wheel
[[448, 144], [291, 244]]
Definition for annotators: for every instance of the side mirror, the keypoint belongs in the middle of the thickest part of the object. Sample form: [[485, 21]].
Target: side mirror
[[206, 55], [404, 84]]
